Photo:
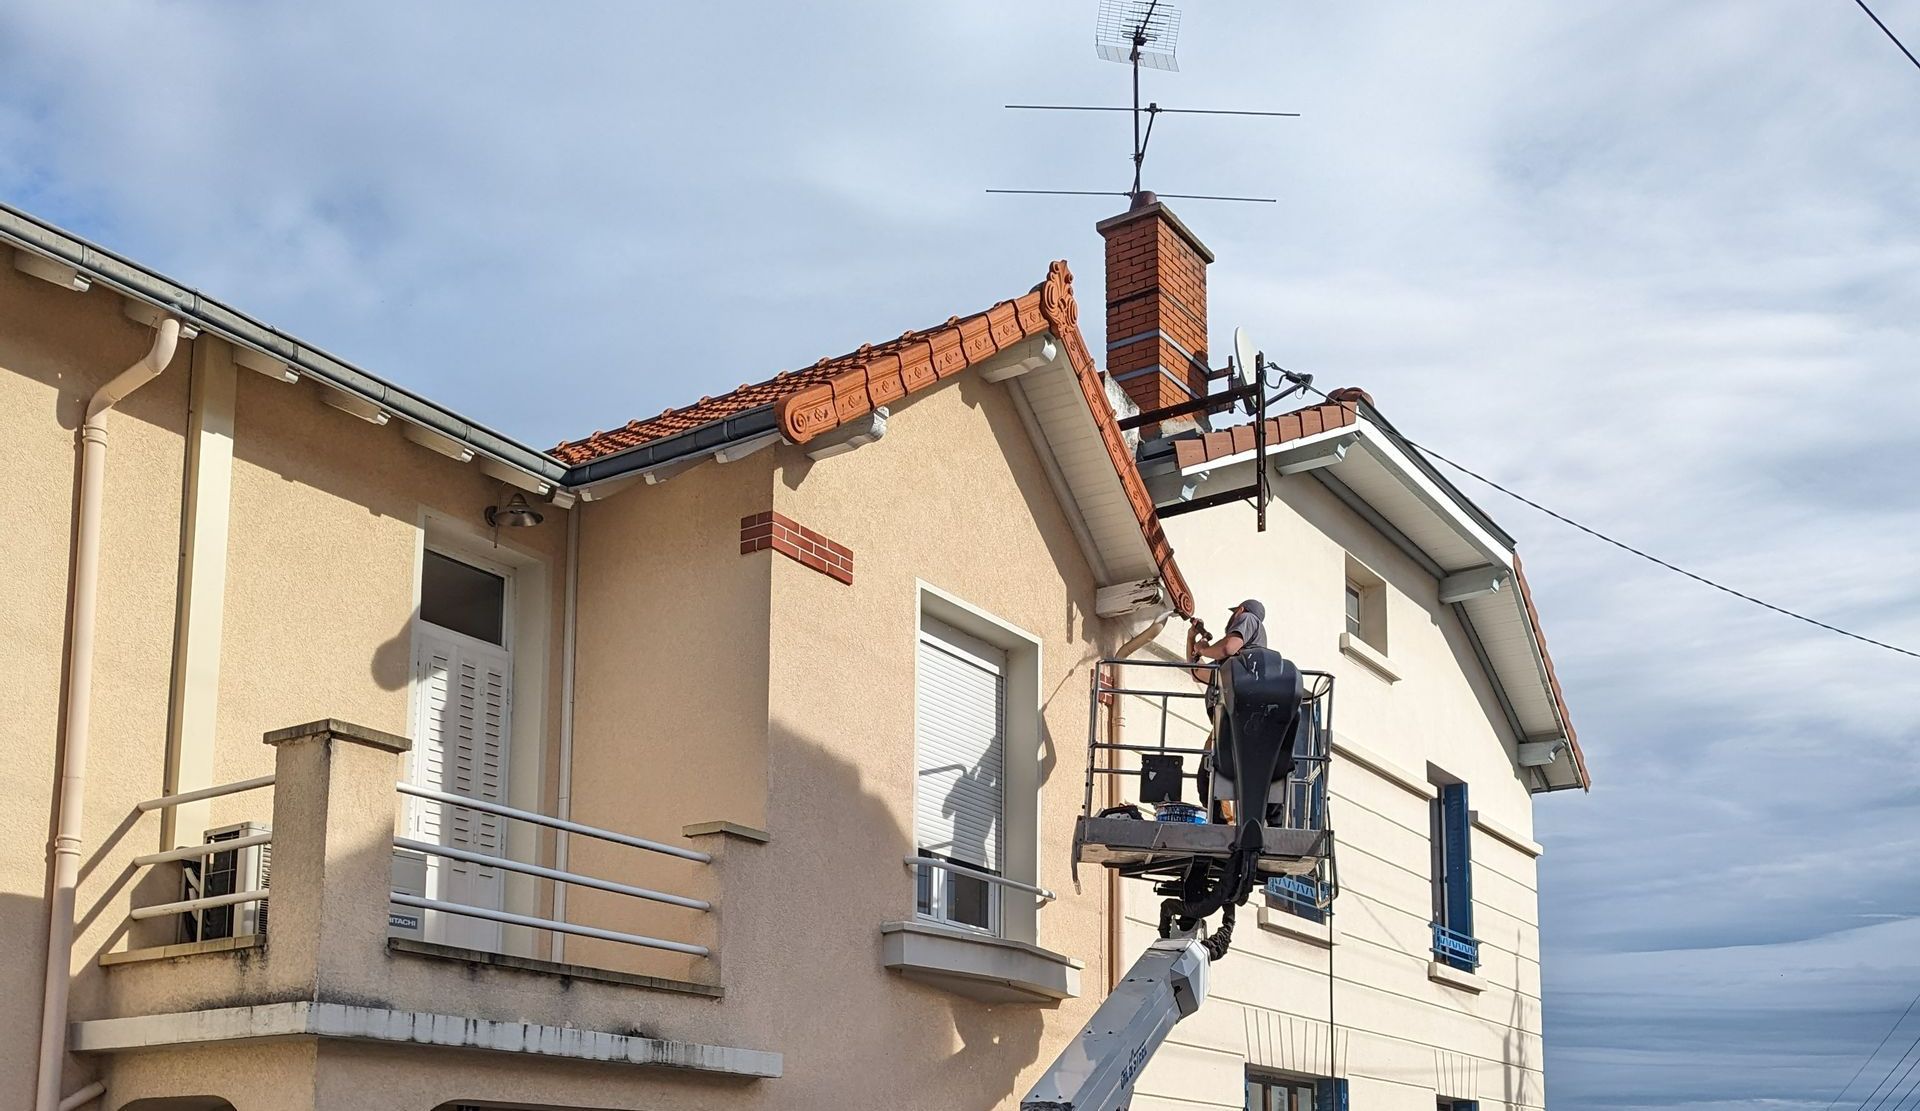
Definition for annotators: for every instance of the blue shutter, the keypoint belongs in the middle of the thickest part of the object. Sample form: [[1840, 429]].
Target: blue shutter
[[1458, 832], [1330, 1095]]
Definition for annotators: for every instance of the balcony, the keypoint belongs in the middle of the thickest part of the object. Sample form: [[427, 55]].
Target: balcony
[[336, 961]]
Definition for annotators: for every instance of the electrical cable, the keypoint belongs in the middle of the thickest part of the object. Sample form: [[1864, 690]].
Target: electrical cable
[[1896, 1084], [1648, 556], [1876, 1052], [1654, 559], [1888, 31], [1905, 1102]]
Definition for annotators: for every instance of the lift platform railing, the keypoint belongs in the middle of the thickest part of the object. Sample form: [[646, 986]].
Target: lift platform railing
[[1304, 802], [557, 875]]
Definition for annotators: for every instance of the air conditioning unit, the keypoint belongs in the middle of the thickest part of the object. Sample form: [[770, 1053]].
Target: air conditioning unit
[[224, 873], [409, 878]]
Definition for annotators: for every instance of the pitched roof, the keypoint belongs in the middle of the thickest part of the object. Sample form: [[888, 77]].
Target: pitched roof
[[1342, 409], [831, 392]]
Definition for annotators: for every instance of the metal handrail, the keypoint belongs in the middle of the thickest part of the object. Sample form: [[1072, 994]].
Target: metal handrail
[[539, 819], [988, 877], [205, 902], [195, 852], [1452, 943], [513, 919], [556, 874], [253, 784]]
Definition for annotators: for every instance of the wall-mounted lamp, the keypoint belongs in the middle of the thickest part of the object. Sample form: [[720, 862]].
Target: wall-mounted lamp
[[515, 514]]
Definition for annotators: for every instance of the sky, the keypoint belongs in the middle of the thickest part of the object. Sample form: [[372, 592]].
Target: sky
[[1654, 264]]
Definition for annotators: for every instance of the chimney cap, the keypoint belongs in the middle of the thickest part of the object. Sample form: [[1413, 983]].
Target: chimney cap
[[1145, 204]]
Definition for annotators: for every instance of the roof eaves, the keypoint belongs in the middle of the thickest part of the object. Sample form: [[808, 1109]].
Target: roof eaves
[[131, 279], [704, 440], [1553, 679], [1420, 460]]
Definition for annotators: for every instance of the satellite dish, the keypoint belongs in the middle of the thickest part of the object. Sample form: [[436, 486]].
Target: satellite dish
[[1244, 360]]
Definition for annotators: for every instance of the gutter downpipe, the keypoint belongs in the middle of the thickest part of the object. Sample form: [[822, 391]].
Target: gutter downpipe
[[77, 700], [563, 804]]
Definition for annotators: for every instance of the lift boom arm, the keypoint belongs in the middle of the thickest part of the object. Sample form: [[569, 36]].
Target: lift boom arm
[[1097, 1069]]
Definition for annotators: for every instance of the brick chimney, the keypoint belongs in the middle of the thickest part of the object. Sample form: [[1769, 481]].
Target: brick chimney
[[1156, 305]]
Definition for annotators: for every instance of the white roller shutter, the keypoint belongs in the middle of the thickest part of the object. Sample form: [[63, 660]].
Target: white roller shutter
[[960, 750]]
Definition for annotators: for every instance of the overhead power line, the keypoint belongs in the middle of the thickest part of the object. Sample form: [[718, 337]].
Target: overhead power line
[[1648, 556], [1888, 31], [1876, 1052], [1656, 560]]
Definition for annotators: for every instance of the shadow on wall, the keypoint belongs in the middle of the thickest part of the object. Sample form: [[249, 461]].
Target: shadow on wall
[[392, 662], [854, 1033], [1515, 1056]]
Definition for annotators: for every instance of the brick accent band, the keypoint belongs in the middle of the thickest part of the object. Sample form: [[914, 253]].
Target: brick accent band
[[797, 542]]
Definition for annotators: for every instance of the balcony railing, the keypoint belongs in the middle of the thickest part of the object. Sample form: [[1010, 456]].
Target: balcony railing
[[557, 875], [202, 854], [1306, 896], [196, 859], [935, 862], [1455, 948]]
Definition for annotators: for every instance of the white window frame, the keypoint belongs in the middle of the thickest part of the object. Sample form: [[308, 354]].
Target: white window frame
[[1016, 913], [524, 629]]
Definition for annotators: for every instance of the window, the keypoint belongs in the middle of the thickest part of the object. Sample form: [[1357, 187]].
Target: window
[[1267, 1091], [1366, 606], [463, 598], [1459, 1104], [1453, 940], [960, 697]]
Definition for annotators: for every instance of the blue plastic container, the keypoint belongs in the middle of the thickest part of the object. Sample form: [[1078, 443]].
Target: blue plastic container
[[1179, 812]]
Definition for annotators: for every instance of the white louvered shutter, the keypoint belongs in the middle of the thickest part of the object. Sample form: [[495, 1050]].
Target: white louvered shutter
[[960, 750], [462, 750]]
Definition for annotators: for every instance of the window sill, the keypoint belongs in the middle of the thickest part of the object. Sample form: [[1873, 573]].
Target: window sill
[[1375, 659], [1277, 920], [1440, 972], [978, 966]]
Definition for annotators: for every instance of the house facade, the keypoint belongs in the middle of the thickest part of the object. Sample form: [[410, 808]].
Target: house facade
[[726, 757], [1405, 974]]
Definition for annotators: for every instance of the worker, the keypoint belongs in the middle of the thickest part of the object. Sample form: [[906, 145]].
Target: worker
[[1247, 624]]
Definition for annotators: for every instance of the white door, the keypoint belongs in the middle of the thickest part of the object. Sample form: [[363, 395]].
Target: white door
[[959, 798], [462, 671]]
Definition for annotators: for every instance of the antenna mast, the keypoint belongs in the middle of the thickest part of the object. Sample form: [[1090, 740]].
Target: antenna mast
[[1137, 33]]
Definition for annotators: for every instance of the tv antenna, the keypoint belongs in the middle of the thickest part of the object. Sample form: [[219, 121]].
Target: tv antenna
[[1140, 33]]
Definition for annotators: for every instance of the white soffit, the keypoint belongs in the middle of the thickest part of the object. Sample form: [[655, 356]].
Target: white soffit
[[1066, 432]]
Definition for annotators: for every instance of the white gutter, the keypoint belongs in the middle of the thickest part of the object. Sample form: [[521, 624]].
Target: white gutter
[[77, 701], [564, 803]]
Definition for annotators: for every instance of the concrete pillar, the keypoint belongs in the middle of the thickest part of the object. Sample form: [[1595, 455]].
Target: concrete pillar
[[333, 823]]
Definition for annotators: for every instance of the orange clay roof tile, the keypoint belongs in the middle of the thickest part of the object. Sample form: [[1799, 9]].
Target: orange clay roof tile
[[836, 390]]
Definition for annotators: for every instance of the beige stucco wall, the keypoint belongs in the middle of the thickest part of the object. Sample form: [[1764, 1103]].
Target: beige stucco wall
[[1402, 1039], [716, 686], [326, 515], [712, 686], [670, 697], [953, 496]]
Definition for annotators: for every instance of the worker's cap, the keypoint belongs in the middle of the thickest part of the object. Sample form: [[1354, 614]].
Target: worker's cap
[[1253, 606]]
